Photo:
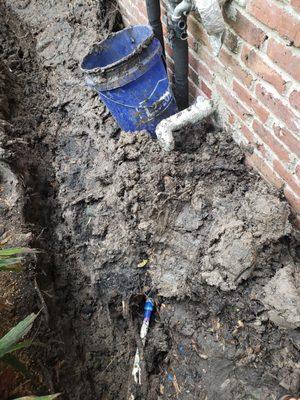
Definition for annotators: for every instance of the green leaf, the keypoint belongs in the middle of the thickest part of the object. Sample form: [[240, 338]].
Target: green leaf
[[16, 364], [16, 334], [14, 251], [21, 345], [10, 260], [50, 397], [10, 264], [11, 268]]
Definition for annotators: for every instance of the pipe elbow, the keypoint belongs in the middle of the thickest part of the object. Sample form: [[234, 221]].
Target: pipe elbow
[[182, 9], [191, 115], [164, 135]]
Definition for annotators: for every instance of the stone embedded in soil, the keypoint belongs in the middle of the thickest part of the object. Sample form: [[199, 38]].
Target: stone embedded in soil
[[282, 297]]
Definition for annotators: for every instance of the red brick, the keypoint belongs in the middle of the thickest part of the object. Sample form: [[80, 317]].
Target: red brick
[[206, 90], [235, 68], [200, 68], [252, 103], [249, 135], [298, 171], [254, 62], [264, 169], [253, 140], [292, 199], [268, 138], [232, 103], [194, 76], [208, 59], [231, 119], [246, 29], [288, 139], [194, 90], [287, 176], [196, 30], [286, 24], [284, 58], [295, 99], [232, 42], [278, 108], [296, 5], [169, 49]]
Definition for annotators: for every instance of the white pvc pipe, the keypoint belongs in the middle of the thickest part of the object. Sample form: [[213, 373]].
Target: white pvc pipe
[[195, 113]]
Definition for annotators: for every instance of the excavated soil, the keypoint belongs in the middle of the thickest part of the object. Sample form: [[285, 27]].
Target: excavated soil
[[117, 219]]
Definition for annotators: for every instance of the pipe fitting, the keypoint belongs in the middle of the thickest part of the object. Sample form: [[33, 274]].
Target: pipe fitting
[[164, 131], [182, 9], [184, 36], [182, 24]]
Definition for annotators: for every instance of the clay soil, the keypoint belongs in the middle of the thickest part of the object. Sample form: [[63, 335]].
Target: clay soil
[[221, 256]]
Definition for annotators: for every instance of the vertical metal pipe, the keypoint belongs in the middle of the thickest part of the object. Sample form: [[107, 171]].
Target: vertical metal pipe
[[181, 69], [154, 15]]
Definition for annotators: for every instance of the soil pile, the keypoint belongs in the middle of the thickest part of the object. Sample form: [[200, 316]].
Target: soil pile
[[215, 236]]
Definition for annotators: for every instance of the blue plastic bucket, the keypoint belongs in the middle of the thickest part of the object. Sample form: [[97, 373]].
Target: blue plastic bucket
[[128, 72]]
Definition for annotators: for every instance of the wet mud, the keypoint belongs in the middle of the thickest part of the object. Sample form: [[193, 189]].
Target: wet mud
[[117, 219]]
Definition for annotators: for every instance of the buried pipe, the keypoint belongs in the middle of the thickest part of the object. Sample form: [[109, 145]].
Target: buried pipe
[[154, 18], [202, 108], [136, 370]]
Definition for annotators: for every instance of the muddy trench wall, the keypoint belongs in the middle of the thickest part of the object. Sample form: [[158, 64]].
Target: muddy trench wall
[[217, 240], [255, 80]]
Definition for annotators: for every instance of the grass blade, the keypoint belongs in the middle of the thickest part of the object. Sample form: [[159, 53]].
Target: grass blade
[[13, 251], [50, 397], [20, 346], [11, 267], [10, 260], [15, 334]]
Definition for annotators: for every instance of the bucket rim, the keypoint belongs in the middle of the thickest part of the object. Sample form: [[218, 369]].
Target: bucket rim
[[119, 62]]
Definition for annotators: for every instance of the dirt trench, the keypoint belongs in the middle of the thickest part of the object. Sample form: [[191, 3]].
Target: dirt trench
[[222, 256]]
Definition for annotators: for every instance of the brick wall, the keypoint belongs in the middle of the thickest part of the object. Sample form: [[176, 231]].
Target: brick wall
[[255, 80]]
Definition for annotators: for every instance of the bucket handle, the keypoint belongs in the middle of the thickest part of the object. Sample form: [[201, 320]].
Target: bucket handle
[[117, 102], [158, 83], [142, 103]]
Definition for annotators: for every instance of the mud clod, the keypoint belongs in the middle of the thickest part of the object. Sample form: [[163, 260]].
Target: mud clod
[[282, 297]]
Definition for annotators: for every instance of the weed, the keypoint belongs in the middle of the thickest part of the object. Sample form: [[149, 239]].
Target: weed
[[11, 259]]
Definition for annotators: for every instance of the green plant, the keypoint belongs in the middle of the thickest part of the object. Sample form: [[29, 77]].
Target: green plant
[[10, 259], [13, 341], [50, 397]]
